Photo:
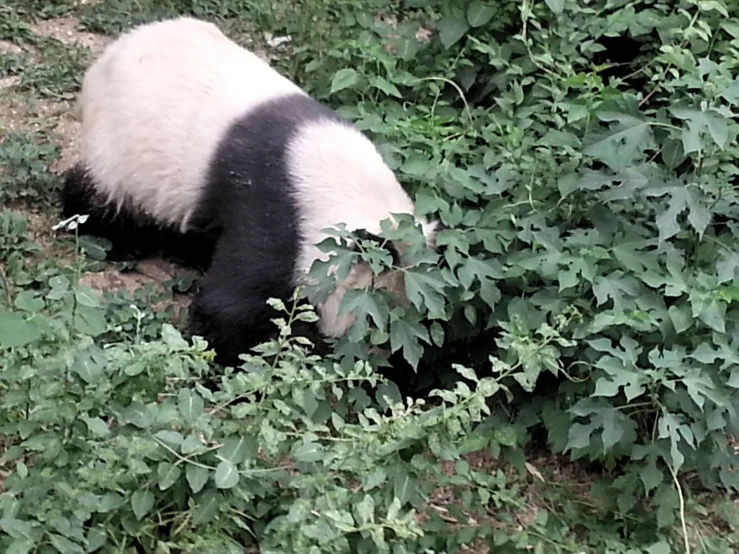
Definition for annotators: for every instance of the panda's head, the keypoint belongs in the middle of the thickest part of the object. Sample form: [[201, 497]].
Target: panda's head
[[361, 276]]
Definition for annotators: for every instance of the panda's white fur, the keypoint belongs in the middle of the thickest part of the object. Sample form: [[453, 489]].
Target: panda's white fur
[[166, 109], [156, 103]]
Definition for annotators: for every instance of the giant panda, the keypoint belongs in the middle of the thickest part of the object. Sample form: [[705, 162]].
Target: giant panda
[[188, 135]]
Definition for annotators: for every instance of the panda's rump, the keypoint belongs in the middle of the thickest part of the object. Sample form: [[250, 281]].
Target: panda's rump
[[156, 105]]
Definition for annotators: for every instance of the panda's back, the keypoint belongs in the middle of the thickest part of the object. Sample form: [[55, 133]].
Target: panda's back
[[157, 104]]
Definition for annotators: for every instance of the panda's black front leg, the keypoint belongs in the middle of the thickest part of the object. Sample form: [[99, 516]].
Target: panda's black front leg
[[230, 322], [230, 310]]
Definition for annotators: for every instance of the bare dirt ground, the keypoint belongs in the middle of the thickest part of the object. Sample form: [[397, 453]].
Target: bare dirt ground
[[17, 115]]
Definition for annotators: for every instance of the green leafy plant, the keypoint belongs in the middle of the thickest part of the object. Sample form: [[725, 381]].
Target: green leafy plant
[[578, 321]]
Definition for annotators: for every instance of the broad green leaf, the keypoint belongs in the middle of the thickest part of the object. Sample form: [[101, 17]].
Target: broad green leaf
[[167, 475], [404, 486], [557, 6], [377, 478], [21, 546], [238, 449], [660, 547], [451, 29], [172, 438], [190, 404], [86, 296], [613, 427], [89, 365], [308, 452], [197, 476], [191, 444], [672, 153], [344, 78], [361, 303], [207, 508], [406, 48], [426, 289], [90, 321], [15, 331], [623, 143], [227, 476], [64, 545], [142, 501], [96, 426], [506, 436], [701, 123], [650, 476], [16, 528], [29, 301], [385, 86], [669, 428], [407, 335], [365, 510], [479, 13]]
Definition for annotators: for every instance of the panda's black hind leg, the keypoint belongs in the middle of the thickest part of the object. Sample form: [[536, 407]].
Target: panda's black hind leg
[[120, 226], [132, 237]]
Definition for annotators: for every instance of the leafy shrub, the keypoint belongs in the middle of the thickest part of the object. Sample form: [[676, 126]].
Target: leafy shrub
[[592, 207], [24, 167], [583, 157]]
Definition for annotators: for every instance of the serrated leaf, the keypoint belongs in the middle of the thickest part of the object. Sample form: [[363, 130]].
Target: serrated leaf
[[699, 124], [142, 501], [361, 303], [408, 336], [426, 289], [227, 476], [365, 510], [623, 143]]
